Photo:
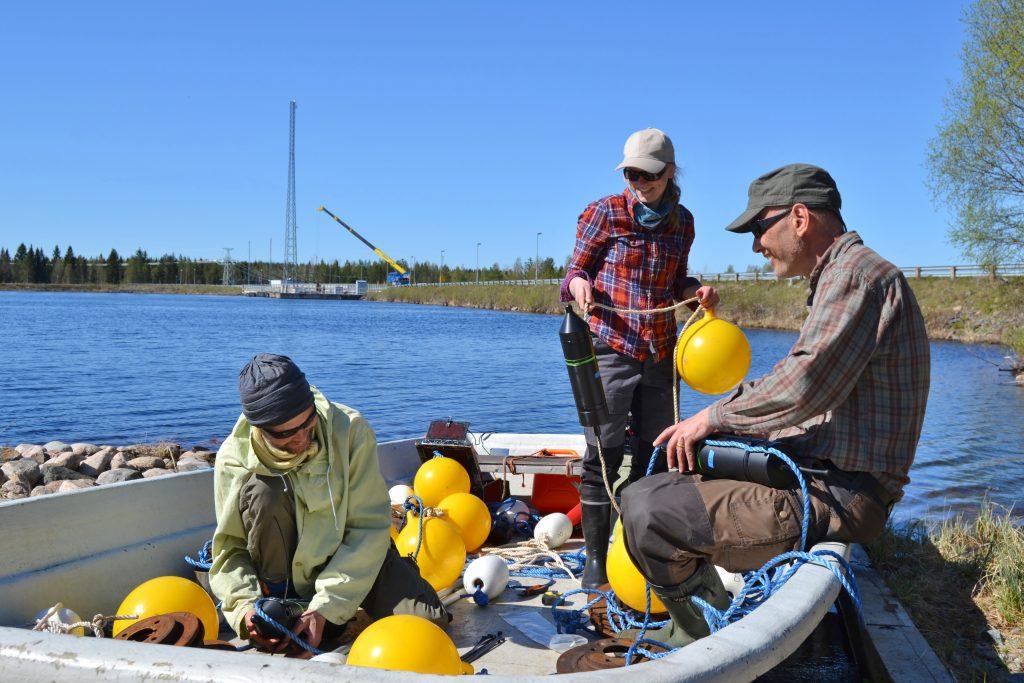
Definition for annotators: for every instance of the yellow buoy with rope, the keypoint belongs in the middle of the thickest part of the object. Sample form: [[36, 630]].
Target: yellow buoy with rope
[[166, 594], [626, 580], [441, 553], [712, 355], [470, 515], [438, 478]]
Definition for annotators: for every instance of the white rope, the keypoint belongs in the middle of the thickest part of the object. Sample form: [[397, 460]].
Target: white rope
[[49, 624], [675, 375], [525, 553]]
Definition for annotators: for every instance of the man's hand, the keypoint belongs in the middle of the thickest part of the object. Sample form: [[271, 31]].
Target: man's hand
[[708, 296], [310, 627], [268, 644], [681, 438], [580, 289]]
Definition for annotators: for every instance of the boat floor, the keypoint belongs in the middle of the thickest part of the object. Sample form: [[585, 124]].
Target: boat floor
[[518, 655]]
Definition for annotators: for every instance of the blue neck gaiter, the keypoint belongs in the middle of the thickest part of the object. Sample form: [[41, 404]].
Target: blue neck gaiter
[[651, 217]]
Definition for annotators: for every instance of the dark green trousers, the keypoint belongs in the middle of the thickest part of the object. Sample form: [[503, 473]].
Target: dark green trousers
[[268, 516]]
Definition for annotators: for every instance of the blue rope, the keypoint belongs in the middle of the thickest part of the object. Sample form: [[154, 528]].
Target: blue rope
[[654, 459], [280, 628], [570, 621], [575, 561], [418, 507], [760, 585], [204, 561]]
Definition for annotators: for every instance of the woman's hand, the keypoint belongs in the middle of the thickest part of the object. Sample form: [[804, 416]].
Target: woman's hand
[[580, 289], [310, 627], [708, 296], [267, 644]]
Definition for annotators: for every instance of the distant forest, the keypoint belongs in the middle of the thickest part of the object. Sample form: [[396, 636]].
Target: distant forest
[[30, 264]]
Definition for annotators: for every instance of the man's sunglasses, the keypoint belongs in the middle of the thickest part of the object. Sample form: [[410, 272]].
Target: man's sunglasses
[[287, 433], [633, 175], [759, 226]]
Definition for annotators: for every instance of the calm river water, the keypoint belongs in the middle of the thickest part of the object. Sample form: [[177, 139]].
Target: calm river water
[[123, 368]]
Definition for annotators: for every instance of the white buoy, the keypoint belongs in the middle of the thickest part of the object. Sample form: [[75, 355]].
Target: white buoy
[[733, 582], [489, 573], [63, 616], [554, 529], [399, 493]]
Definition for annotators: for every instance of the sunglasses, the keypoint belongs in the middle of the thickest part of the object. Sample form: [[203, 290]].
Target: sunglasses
[[759, 226], [633, 175], [288, 433]]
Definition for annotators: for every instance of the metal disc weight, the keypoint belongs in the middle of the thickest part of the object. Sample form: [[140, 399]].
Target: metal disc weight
[[182, 629], [599, 615], [608, 653]]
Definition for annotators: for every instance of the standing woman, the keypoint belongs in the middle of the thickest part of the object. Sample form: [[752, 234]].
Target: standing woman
[[631, 252]]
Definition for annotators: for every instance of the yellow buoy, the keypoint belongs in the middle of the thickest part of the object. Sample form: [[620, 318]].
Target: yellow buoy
[[169, 594], [470, 515], [442, 552], [712, 355], [407, 643], [628, 583], [438, 478]]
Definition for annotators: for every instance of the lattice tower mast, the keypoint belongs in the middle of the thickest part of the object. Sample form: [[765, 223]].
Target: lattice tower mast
[[227, 262], [291, 248]]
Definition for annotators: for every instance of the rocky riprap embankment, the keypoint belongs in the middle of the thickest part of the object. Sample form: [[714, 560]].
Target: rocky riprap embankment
[[29, 470]]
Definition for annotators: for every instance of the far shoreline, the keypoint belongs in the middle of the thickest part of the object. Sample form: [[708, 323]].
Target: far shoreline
[[965, 310]]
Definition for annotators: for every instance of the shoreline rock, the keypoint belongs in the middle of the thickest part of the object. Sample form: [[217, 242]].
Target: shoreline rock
[[29, 470]]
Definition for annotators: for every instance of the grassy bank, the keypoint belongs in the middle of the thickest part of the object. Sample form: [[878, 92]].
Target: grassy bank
[[963, 585], [970, 310], [225, 290]]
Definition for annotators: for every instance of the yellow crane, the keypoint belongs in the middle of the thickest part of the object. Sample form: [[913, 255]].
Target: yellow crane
[[399, 278]]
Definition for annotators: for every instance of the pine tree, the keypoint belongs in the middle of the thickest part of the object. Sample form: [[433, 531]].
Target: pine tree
[[113, 268], [6, 272], [56, 265], [69, 276]]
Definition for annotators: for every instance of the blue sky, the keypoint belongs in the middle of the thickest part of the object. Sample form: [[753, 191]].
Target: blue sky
[[433, 126]]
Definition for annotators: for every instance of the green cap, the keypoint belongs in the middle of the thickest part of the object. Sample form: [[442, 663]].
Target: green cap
[[793, 184]]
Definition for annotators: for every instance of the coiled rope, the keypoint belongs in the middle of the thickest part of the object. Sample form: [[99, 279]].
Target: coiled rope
[[760, 585], [204, 558], [522, 559]]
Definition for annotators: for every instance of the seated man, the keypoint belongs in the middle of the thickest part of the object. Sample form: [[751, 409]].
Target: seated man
[[303, 511], [849, 397]]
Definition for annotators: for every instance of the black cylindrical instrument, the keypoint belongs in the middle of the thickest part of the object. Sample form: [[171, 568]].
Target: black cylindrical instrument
[[584, 375], [284, 612], [730, 462]]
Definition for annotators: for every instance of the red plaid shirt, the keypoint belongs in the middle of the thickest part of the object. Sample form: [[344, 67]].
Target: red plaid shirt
[[630, 266]]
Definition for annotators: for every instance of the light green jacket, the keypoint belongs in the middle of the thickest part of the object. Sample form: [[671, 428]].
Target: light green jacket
[[342, 541]]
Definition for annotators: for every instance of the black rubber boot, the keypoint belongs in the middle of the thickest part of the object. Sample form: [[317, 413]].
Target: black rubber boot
[[596, 527], [688, 622]]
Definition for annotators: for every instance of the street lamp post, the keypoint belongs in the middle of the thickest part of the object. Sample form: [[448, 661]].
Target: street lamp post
[[412, 267], [536, 260], [440, 273], [478, 262]]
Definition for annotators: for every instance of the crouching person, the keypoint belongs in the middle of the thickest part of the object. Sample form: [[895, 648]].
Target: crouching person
[[848, 400], [303, 512]]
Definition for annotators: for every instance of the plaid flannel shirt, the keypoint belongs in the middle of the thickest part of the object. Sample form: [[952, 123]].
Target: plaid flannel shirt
[[630, 266], [853, 388]]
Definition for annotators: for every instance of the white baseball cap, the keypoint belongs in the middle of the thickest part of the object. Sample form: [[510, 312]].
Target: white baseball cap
[[649, 150]]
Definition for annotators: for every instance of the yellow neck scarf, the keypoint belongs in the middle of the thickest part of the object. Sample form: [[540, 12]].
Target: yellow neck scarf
[[279, 459]]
